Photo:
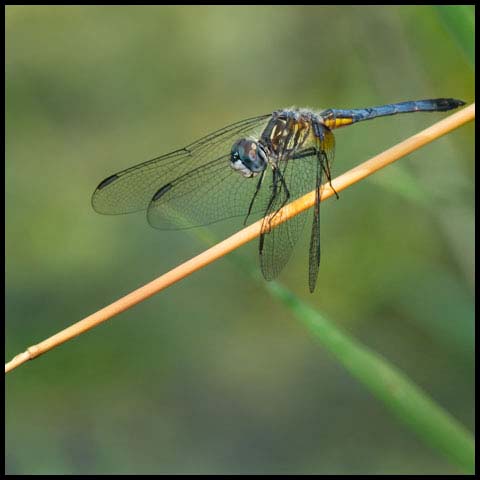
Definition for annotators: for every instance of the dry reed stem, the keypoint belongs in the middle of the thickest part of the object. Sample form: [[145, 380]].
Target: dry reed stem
[[247, 234]]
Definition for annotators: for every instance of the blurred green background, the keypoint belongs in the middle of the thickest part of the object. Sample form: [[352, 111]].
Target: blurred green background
[[213, 375]]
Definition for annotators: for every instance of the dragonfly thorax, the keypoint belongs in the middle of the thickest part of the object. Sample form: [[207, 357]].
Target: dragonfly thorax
[[248, 157]]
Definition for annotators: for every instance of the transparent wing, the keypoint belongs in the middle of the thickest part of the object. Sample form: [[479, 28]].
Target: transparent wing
[[301, 176], [276, 245], [132, 189], [314, 249], [205, 195], [325, 153]]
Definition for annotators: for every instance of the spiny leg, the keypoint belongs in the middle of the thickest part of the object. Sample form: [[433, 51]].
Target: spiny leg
[[287, 193], [326, 143], [276, 190], [326, 168], [265, 227], [257, 189]]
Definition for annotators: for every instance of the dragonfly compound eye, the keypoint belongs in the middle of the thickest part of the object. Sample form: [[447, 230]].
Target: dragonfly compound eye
[[248, 157]]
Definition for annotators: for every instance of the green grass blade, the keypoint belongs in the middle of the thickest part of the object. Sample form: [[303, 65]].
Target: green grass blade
[[460, 22], [407, 401]]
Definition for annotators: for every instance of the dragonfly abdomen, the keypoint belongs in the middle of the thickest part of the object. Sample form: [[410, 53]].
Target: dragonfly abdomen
[[335, 118]]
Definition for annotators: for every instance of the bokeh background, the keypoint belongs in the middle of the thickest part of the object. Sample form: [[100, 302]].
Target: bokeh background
[[213, 375]]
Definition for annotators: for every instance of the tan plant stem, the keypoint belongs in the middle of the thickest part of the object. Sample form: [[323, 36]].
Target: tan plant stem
[[247, 234]]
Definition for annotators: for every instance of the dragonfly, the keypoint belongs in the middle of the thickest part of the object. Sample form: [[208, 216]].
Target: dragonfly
[[247, 169]]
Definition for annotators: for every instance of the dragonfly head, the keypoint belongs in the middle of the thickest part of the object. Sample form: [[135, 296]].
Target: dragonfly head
[[248, 157]]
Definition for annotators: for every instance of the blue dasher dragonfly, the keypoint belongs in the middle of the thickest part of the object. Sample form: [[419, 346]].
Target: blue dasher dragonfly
[[250, 168]]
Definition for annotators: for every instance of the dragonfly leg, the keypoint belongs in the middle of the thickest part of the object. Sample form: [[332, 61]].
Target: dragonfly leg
[[322, 133], [287, 193], [277, 177], [308, 152], [265, 225], [326, 170], [257, 189]]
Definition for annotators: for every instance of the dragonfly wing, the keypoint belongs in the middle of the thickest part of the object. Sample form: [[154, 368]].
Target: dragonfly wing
[[325, 152], [276, 244], [132, 189], [301, 174], [314, 250], [205, 195]]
